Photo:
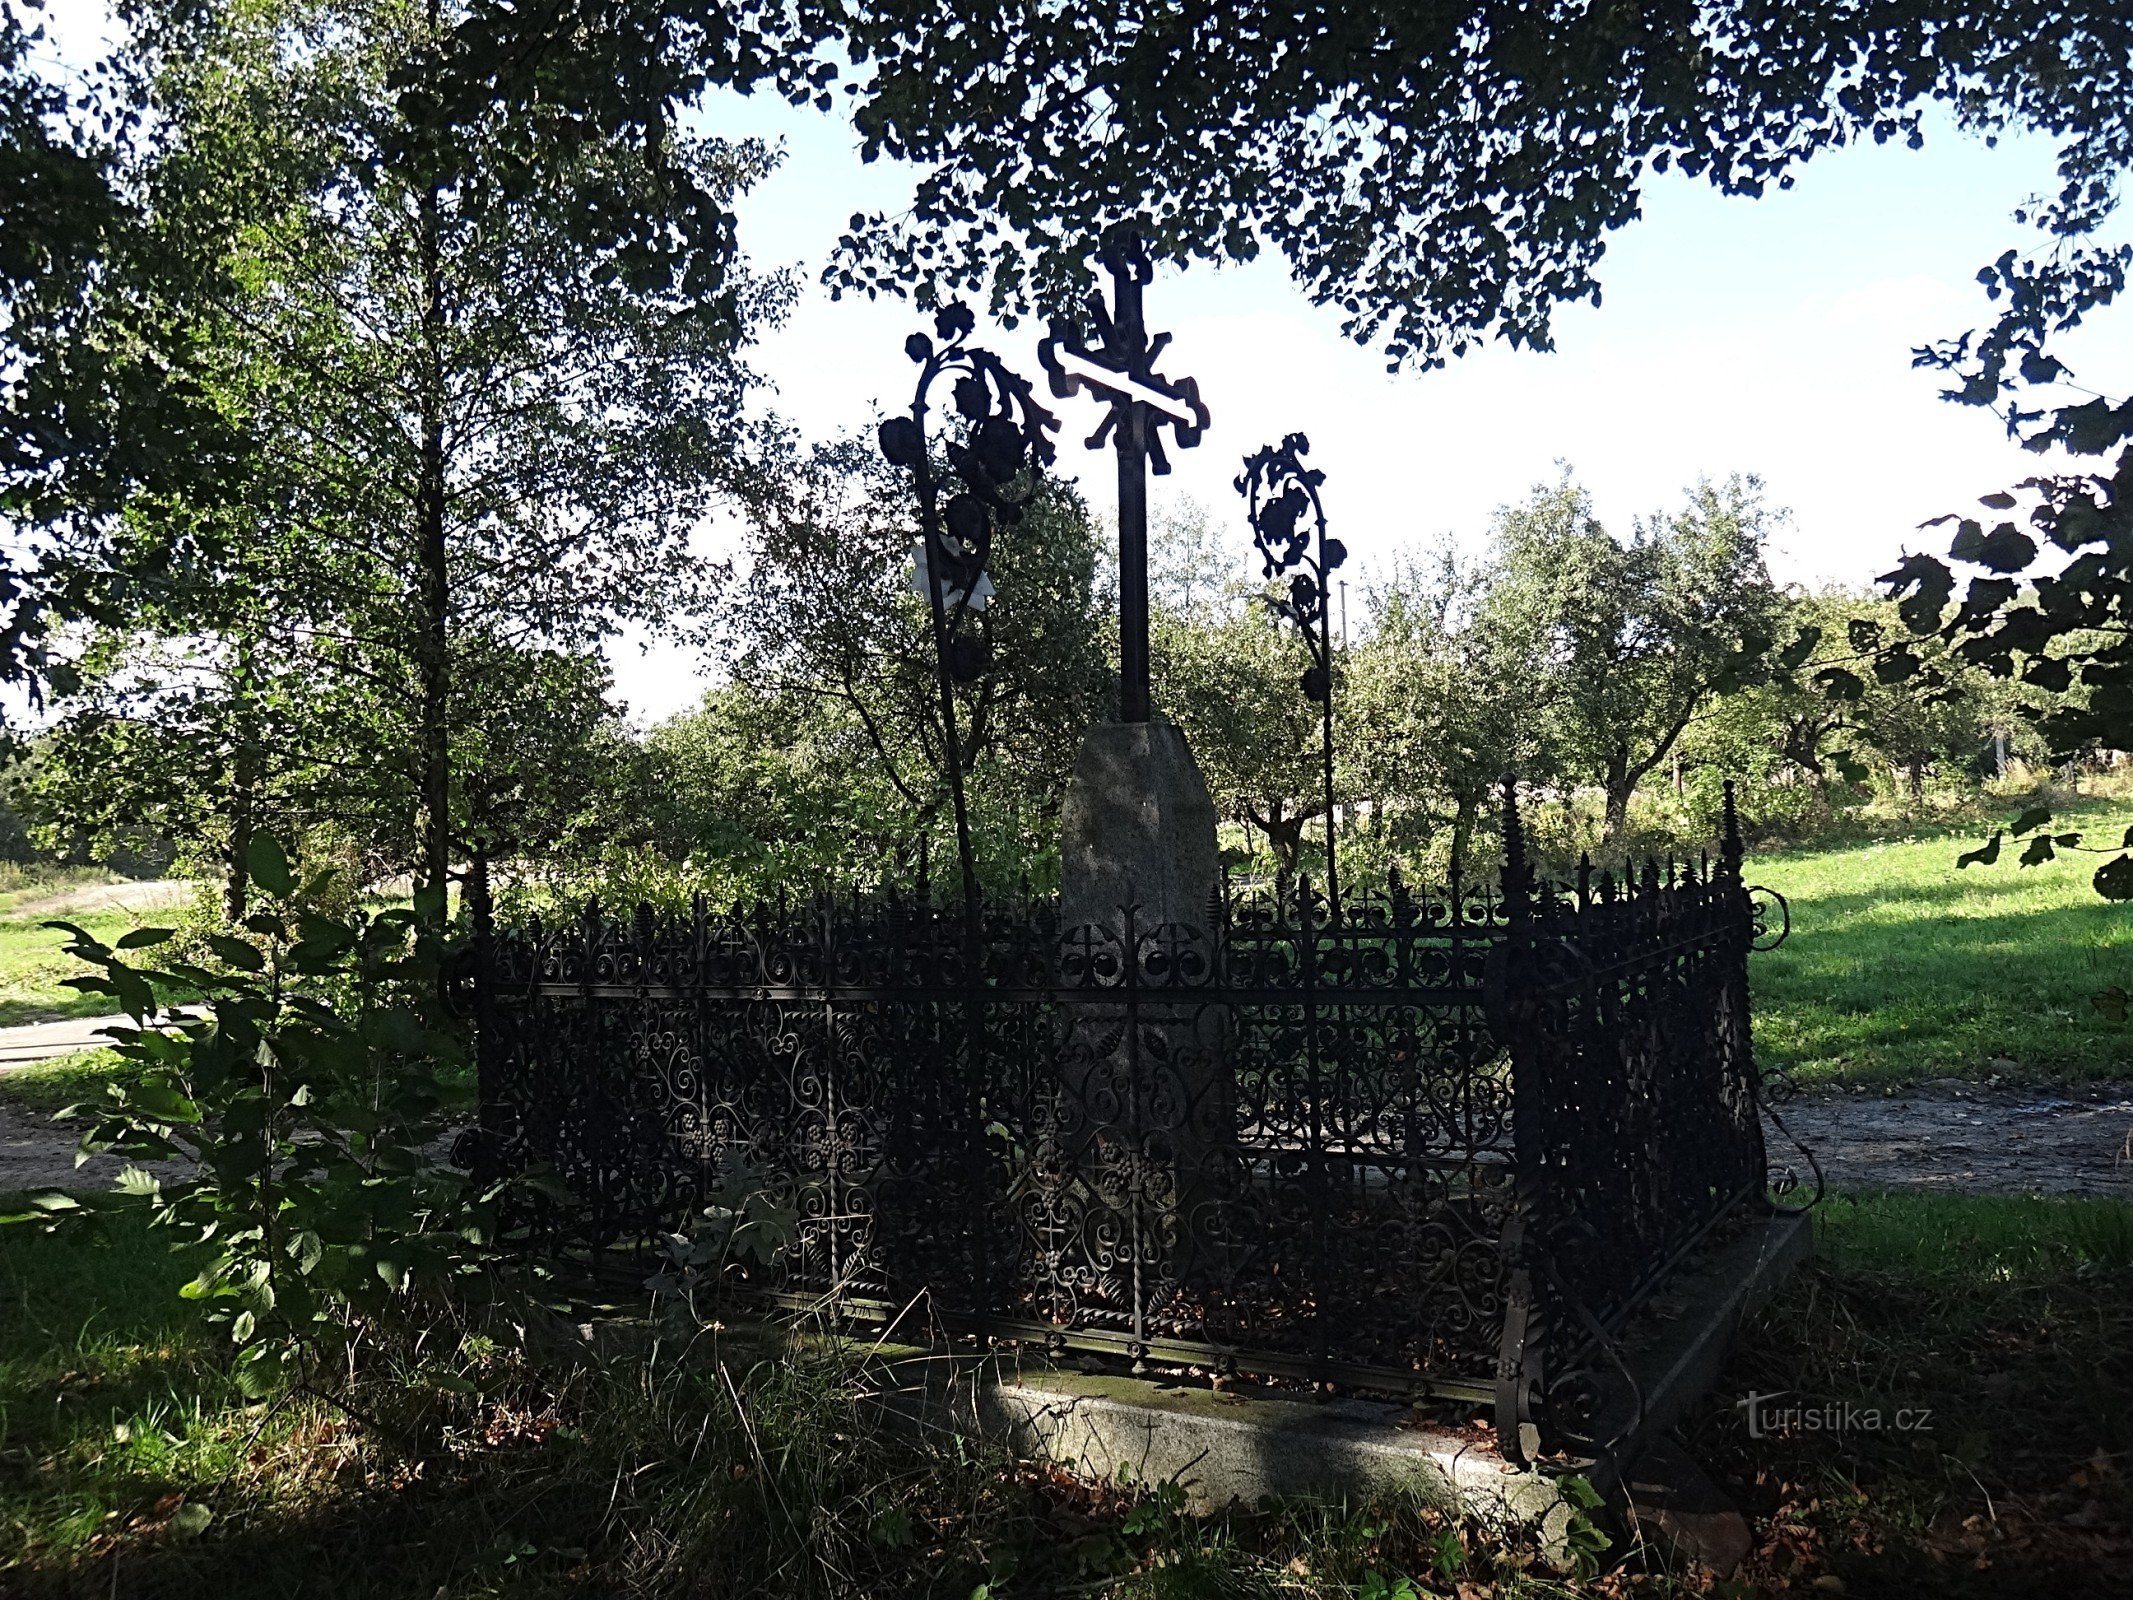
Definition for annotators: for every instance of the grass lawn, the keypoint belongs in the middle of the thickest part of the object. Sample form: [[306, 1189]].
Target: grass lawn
[[1901, 967], [34, 966], [49, 1086]]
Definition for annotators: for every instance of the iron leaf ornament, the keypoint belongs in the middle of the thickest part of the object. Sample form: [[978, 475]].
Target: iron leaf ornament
[[993, 467], [1289, 530], [1288, 519], [992, 473]]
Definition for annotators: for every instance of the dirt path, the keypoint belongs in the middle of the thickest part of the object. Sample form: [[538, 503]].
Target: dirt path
[[1972, 1138], [152, 895], [42, 1041], [38, 1153]]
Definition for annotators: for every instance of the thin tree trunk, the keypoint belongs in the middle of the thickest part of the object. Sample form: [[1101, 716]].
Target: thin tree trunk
[[1619, 784], [1463, 832], [244, 780], [433, 578]]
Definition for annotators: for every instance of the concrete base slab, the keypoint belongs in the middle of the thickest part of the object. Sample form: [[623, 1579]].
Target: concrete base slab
[[1672, 1353]]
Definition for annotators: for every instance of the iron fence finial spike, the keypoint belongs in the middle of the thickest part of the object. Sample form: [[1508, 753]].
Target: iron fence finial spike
[[1730, 851], [1516, 874]]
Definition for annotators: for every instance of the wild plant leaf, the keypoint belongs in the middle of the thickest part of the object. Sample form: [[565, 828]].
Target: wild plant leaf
[[268, 864]]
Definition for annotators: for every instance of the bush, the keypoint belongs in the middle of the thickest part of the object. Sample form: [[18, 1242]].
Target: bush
[[306, 1095]]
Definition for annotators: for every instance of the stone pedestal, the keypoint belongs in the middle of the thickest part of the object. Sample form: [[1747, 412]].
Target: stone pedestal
[[1137, 829], [1149, 1104]]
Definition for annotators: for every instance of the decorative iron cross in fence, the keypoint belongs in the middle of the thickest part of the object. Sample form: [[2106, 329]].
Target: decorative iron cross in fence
[[1120, 367]]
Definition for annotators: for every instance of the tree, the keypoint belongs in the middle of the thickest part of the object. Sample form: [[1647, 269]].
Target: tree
[[484, 356], [1445, 695], [1639, 634], [832, 631], [1441, 174], [2047, 608], [1227, 673], [86, 421]]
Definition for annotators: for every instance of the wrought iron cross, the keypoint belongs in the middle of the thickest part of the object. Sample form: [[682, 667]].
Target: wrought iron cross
[[1120, 368]]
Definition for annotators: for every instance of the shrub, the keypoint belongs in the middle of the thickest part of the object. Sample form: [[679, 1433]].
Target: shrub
[[305, 1098]]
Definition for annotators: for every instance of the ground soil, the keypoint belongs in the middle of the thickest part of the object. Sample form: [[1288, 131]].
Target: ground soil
[[1970, 1138]]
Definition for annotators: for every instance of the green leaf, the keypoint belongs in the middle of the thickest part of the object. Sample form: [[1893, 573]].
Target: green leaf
[[1984, 855], [1794, 655], [1848, 766], [138, 1181], [2005, 549], [242, 956], [141, 938], [2034, 817], [241, 1328], [2040, 851], [1839, 684], [268, 864], [307, 1249]]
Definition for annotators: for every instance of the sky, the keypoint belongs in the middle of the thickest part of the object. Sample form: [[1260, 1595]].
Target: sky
[[1769, 336]]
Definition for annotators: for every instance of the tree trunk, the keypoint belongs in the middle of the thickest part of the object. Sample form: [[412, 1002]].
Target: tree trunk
[[433, 584], [1619, 784], [1463, 832], [244, 780], [1916, 768], [1284, 837]]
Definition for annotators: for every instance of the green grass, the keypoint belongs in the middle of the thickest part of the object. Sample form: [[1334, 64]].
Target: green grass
[[1902, 967], [2010, 1321], [34, 967], [49, 1086], [2007, 1323]]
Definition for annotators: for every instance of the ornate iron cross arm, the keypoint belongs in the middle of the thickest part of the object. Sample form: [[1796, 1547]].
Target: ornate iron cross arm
[[1120, 367]]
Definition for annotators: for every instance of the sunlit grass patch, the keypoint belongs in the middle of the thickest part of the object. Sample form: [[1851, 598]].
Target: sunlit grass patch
[[1900, 966], [34, 967]]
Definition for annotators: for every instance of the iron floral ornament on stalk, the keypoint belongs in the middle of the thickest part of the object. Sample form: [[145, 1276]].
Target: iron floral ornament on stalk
[[1289, 528], [992, 475]]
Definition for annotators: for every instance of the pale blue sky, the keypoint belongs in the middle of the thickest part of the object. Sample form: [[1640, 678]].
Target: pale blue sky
[[1770, 336]]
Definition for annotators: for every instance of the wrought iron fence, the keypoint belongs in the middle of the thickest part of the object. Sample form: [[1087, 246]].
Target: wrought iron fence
[[1442, 1145]]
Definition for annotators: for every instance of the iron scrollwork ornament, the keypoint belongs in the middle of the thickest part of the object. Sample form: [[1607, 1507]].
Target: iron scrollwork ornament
[[1288, 520], [1770, 922]]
